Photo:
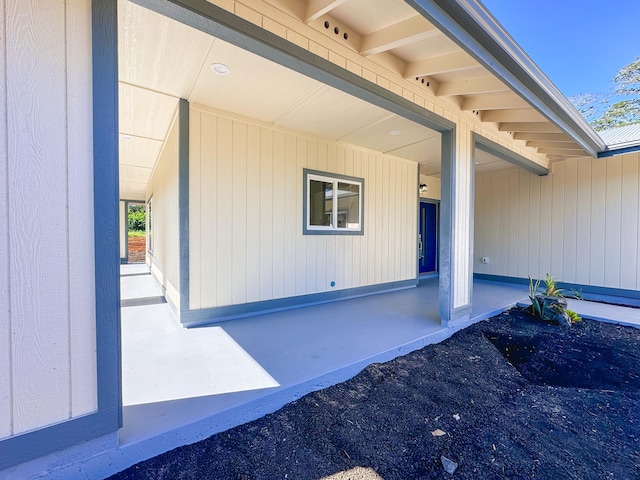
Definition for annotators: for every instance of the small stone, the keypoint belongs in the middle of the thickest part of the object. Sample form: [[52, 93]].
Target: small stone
[[449, 465], [456, 416], [438, 433]]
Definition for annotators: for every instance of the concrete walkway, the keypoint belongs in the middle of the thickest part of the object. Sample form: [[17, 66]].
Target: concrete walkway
[[602, 312], [183, 385]]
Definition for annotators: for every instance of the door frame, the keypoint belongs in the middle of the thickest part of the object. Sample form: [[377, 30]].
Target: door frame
[[435, 202]]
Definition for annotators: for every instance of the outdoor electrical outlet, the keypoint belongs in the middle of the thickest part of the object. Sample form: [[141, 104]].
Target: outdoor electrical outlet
[[485, 259]]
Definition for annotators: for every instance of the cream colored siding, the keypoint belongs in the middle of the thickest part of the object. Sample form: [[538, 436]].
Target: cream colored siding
[[433, 183], [461, 227], [579, 224], [163, 188], [246, 198], [47, 295]]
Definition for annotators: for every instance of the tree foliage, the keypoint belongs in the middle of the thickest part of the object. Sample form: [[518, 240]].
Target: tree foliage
[[618, 108], [136, 218]]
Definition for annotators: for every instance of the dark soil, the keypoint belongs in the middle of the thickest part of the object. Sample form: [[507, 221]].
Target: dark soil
[[137, 249], [570, 409]]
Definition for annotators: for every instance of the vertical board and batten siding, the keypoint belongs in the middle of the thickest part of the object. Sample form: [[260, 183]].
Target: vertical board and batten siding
[[48, 366], [345, 55], [246, 188], [579, 223], [433, 184], [462, 204], [163, 188]]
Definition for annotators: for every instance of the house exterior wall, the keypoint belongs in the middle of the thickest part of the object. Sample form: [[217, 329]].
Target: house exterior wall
[[386, 73], [163, 189], [246, 201], [48, 370], [579, 223], [433, 193]]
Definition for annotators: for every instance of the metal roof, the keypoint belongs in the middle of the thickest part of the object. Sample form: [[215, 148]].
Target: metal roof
[[621, 137]]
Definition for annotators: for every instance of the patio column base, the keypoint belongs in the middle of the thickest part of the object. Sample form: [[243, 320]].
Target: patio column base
[[458, 317]]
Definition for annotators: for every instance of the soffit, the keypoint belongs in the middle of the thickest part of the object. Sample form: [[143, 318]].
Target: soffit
[[161, 60], [391, 33]]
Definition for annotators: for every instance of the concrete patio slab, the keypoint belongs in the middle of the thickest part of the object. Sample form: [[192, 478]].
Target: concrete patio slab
[[162, 361], [302, 350]]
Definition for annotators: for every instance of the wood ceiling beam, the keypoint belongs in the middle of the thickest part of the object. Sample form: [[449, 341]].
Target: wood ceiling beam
[[398, 35], [536, 127], [452, 62], [574, 153], [317, 8], [470, 86], [560, 145], [493, 102], [523, 115], [543, 137]]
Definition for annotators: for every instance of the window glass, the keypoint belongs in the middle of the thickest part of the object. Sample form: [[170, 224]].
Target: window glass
[[348, 205], [320, 203]]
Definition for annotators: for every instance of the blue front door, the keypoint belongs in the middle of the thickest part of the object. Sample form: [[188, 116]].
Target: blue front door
[[428, 238]]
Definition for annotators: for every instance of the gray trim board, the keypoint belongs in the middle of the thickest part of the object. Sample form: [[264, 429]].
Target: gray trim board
[[590, 292], [432, 201], [418, 228], [445, 241], [106, 197], [305, 231], [183, 202], [126, 226], [108, 418], [619, 151], [139, 302], [486, 145], [208, 316]]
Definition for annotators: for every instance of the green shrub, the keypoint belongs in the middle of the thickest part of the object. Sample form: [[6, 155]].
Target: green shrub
[[548, 303], [136, 218]]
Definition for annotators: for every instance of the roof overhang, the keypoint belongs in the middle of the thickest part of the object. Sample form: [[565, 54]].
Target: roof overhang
[[469, 24]]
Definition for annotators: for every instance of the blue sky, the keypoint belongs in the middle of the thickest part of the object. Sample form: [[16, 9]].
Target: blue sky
[[578, 44]]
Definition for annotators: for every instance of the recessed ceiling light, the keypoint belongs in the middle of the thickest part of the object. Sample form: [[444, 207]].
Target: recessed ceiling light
[[395, 132], [220, 68], [126, 137]]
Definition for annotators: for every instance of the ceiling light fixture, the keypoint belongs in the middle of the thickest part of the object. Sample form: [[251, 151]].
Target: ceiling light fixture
[[220, 69], [395, 132], [126, 137], [423, 188]]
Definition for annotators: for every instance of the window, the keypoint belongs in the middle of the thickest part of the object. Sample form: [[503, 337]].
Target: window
[[333, 204]]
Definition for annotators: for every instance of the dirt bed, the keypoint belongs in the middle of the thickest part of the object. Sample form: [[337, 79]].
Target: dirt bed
[[137, 249], [566, 407]]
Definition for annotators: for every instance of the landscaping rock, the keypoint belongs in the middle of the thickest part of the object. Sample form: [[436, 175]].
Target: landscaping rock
[[449, 465]]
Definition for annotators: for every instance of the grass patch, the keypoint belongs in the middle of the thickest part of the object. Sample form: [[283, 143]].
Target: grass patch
[[137, 233]]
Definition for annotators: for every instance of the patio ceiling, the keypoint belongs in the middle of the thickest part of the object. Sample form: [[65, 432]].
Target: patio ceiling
[[161, 60]]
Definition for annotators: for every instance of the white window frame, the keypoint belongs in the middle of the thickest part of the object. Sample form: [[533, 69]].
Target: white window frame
[[308, 176]]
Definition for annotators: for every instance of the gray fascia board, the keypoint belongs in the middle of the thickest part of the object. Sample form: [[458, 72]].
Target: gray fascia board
[[476, 31], [508, 155]]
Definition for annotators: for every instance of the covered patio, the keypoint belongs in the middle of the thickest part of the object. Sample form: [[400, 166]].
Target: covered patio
[[181, 385]]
